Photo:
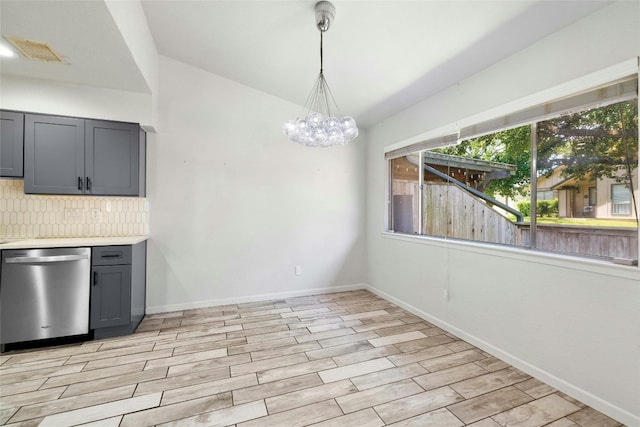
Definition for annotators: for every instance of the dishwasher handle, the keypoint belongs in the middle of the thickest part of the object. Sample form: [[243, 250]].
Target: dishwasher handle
[[53, 258]]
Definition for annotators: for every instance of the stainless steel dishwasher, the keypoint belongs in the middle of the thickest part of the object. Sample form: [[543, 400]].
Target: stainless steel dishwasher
[[44, 293]]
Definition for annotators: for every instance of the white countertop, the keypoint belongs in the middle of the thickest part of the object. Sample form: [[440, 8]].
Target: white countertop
[[72, 242]]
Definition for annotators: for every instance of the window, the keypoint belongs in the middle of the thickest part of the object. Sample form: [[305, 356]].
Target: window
[[471, 189], [405, 194], [593, 196], [620, 199], [533, 185], [545, 195]]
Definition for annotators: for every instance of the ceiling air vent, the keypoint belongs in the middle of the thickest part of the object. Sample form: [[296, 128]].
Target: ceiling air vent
[[35, 50]]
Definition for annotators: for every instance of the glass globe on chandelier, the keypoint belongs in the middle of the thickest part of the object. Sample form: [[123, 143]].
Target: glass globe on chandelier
[[322, 124]]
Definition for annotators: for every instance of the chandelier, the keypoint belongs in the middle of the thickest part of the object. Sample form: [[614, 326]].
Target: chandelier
[[322, 124]]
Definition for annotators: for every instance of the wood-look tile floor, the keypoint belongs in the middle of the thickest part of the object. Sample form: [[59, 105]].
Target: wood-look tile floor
[[341, 359]]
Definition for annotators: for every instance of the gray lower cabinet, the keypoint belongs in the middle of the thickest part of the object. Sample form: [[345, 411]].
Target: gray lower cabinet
[[11, 144], [118, 289], [110, 296], [65, 155]]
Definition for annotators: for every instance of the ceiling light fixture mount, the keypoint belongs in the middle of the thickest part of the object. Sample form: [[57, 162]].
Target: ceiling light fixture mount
[[322, 124]]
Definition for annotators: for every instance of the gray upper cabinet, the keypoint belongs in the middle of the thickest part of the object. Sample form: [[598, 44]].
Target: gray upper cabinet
[[11, 143], [76, 156], [54, 155], [111, 158]]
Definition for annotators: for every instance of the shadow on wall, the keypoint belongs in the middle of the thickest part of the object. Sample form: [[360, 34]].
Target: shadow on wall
[[160, 275], [352, 271], [486, 51]]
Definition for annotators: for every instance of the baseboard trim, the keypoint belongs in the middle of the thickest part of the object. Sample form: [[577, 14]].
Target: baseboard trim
[[252, 298], [590, 399]]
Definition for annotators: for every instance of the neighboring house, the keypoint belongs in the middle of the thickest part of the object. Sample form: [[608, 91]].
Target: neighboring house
[[588, 198]]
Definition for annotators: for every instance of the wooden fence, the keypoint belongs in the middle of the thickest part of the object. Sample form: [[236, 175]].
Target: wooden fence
[[604, 242], [452, 212]]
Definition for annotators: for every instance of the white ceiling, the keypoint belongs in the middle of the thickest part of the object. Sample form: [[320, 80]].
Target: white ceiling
[[83, 32], [380, 56]]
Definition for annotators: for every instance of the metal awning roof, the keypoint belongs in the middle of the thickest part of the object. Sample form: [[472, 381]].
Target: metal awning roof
[[467, 163]]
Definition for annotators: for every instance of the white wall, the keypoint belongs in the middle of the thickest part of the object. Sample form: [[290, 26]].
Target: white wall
[[49, 97], [571, 323], [235, 206], [132, 23]]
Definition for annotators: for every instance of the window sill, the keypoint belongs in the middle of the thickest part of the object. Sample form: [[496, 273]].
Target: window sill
[[544, 258]]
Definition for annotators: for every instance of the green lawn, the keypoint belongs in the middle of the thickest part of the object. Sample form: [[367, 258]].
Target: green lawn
[[589, 222]]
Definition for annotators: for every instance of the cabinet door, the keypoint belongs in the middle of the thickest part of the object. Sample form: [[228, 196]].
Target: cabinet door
[[53, 155], [111, 158], [110, 296], [11, 143]]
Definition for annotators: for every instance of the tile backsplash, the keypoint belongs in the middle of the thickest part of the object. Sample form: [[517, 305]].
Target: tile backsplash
[[28, 216]]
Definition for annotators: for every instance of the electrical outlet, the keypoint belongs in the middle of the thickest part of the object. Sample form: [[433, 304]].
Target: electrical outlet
[[445, 295], [298, 270], [73, 214]]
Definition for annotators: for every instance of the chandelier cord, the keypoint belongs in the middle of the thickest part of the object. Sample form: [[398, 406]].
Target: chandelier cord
[[321, 64], [321, 123]]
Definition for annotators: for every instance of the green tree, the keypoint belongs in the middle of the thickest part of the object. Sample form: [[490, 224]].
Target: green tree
[[511, 146], [594, 144], [524, 206]]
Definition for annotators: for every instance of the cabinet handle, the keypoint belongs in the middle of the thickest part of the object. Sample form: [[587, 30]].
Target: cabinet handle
[[95, 278], [88, 183], [111, 256], [80, 183]]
